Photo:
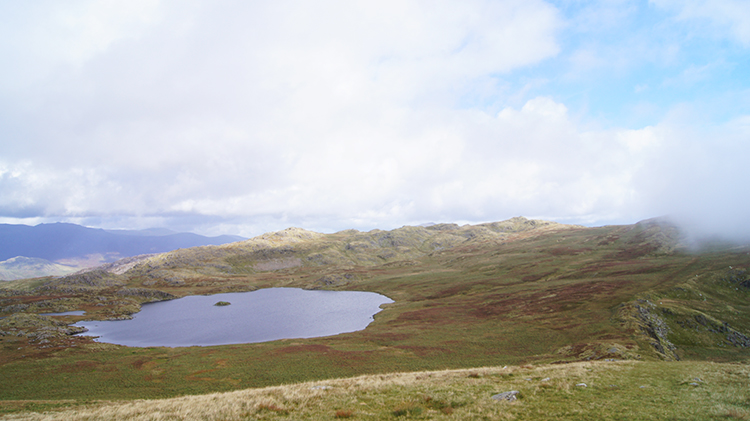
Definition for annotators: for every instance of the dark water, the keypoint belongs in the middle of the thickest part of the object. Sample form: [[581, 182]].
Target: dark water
[[258, 316]]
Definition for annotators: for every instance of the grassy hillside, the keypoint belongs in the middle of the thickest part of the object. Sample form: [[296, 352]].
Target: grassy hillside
[[577, 391], [508, 293]]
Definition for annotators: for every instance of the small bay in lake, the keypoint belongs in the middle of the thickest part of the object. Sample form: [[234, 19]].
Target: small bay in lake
[[257, 316], [66, 313]]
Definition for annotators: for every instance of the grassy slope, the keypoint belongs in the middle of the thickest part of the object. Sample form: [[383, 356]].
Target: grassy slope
[[612, 391], [508, 293]]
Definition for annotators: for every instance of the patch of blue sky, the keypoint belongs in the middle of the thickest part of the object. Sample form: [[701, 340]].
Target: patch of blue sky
[[631, 71]]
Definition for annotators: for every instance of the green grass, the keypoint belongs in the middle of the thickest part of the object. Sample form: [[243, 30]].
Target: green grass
[[612, 391]]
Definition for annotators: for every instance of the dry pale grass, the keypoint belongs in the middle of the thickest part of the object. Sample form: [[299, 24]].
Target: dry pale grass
[[647, 391], [362, 397]]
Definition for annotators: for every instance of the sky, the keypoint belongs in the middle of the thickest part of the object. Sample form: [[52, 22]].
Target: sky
[[244, 117]]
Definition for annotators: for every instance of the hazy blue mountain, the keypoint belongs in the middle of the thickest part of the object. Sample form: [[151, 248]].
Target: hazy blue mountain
[[154, 232], [31, 267], [64, 241]]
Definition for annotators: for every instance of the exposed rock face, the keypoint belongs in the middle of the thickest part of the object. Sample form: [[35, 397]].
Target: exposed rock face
[[655, 327], [733, 337], [509, 396], [739, 277], [738, 339], [334, 279]]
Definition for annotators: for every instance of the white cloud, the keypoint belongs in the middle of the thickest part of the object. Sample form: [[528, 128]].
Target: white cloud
[[694, 74], [727, 17], [467, 166], [42, 38], [327, 115], [639, 140]]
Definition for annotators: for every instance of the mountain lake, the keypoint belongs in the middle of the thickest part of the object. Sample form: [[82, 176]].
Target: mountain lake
[[257, 316]]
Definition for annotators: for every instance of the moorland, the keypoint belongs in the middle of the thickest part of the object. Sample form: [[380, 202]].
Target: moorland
[[647, 320]]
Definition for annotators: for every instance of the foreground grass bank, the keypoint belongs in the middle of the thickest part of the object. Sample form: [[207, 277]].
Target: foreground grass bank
[[577, 391]]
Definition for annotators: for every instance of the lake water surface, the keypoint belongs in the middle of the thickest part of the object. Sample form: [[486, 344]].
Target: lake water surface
[[257, 316], [66, 313]]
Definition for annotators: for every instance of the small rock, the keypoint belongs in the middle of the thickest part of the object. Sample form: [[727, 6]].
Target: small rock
[[321, 387], [581, 385], [507, 396], [546, 379], [694, 384]]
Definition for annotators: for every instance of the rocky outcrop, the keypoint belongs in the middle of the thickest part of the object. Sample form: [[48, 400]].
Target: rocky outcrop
[[509, 396], [83, 282], [739, 277], [51, 305], [656, 329], [334, 279], [145, 295], [702, 322], [37, 328]]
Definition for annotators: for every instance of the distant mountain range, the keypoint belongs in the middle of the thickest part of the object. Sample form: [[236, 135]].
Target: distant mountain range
[[77, 247], [32, 267]]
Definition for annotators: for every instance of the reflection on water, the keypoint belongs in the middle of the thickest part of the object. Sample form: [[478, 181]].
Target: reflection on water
[[258, 316]]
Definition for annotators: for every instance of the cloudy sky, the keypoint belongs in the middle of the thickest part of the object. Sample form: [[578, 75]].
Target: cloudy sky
[[243, 117]]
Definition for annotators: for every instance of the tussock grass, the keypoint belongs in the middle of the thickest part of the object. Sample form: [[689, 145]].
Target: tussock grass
[[614, 390]]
